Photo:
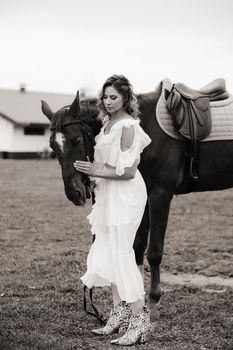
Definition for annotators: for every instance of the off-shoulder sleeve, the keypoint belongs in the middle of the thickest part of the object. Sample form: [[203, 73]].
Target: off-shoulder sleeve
[[125, 159]]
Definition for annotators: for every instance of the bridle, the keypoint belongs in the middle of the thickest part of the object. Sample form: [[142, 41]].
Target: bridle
[[89, 142]]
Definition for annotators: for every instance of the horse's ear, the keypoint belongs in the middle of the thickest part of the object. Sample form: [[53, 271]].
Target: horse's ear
[[75, 108], [46, 110]]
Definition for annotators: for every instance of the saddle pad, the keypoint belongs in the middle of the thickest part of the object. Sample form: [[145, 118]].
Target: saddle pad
[[221, 115]]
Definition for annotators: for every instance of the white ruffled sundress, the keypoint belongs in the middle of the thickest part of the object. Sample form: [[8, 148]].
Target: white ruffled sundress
[[116, 215]]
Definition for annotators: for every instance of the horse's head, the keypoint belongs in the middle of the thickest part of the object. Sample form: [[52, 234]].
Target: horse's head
[[73, 129]]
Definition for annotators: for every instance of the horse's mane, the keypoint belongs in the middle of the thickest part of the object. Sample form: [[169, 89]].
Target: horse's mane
[[89, 100], [86, 105]]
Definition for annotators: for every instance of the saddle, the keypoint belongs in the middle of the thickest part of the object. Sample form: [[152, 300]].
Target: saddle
[[190, 111], [216, 90]]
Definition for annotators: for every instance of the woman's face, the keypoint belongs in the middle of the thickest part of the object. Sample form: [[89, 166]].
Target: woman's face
[[113, 100]]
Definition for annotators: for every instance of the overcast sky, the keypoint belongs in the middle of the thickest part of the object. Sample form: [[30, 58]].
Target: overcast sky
[[64, 45]]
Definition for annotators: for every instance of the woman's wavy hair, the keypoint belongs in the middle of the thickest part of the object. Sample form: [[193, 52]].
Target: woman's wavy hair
[[123, 87]]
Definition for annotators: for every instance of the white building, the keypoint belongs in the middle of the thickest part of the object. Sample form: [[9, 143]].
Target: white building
[[24, 129]]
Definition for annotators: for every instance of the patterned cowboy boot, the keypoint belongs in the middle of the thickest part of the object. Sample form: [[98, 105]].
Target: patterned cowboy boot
[[119, 315], [139, 329]]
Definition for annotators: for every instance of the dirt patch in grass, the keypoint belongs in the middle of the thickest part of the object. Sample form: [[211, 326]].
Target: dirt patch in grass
[[44, 240]]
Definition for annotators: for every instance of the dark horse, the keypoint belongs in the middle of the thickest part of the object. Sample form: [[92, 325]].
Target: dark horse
[[163, 166]]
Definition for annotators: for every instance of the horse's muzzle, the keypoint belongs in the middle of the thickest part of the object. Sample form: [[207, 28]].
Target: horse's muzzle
[[76, 194], [81, 198]]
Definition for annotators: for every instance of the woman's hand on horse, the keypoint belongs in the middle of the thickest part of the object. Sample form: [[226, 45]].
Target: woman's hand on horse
[[87, 167]]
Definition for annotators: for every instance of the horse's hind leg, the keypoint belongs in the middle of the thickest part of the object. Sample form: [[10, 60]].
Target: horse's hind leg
[[159, 205], [141, 238]]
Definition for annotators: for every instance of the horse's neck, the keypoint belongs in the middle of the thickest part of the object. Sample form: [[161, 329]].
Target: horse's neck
[[98, 126], [95, 124]]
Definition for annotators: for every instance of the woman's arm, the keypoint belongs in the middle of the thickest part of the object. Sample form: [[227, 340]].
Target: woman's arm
[[105, 171]]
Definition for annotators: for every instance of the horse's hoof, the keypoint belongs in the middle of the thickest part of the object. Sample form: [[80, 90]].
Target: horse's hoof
[[154, 299], [154, 296]]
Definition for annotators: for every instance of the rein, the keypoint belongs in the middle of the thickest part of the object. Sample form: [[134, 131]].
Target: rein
[[96, 313]]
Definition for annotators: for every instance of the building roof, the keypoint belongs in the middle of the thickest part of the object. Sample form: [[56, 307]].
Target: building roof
[[23, 107]]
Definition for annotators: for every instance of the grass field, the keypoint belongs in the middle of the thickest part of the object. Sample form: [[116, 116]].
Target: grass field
[[44, 240]]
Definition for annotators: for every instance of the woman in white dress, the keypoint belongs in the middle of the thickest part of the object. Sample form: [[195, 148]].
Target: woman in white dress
[[120, 199]]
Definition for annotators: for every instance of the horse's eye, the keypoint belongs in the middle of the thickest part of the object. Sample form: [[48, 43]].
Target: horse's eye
[[77, 140]]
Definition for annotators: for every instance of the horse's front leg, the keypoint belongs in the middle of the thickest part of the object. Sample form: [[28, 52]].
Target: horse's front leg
[[141, 238], [159, 205]]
